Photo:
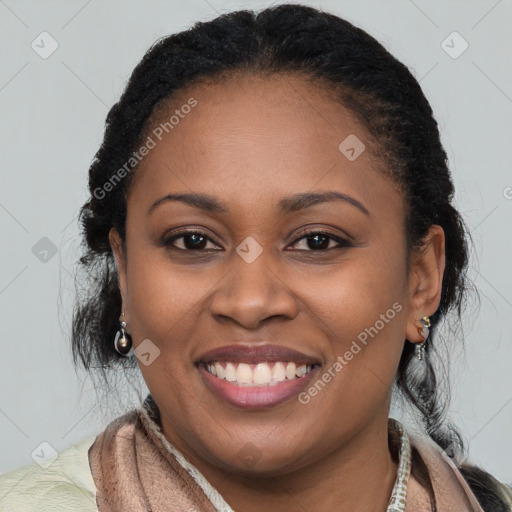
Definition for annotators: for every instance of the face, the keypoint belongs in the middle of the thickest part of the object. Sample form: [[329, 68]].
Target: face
[[265, 280]]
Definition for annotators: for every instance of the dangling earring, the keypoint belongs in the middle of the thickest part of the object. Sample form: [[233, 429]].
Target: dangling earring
[[123, 341], [424, 331]]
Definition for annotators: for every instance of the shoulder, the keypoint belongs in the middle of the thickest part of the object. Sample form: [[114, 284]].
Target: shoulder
[[66, 484], [463, 483]]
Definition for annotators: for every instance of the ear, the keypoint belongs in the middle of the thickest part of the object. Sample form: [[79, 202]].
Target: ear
[[120, 257], [425, 281]]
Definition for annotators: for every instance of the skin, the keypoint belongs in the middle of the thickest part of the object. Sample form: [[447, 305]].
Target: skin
[[249, 142]]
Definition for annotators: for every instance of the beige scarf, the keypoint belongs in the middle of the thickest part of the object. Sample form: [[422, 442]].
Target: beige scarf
[[136, 469]]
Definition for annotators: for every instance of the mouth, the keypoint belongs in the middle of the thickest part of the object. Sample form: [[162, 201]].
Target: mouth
[[258, 376], [261, 374]]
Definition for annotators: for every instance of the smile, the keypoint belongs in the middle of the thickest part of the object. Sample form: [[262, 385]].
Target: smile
[[256, 386], [261, 374]]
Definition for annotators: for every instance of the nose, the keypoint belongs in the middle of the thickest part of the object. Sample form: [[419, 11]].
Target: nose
[[251, 293]]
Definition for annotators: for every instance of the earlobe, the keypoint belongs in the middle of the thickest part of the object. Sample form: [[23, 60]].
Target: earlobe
[[425, 281]]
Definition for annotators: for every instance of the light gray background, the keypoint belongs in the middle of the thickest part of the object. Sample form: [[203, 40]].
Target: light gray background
[[52, 117]]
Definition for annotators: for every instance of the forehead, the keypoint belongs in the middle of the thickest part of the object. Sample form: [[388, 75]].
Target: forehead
[[250, 138]]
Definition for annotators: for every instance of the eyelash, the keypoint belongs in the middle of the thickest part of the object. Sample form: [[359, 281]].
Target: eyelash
[[343, 242]]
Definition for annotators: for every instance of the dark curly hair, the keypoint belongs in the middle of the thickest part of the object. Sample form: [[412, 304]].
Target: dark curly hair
[[364, 77]]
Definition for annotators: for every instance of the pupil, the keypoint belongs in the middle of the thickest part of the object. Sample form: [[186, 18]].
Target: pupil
[[323, 245], [197, 241]]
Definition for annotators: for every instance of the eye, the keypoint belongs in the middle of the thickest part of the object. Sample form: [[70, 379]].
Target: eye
[[319, 241], [193, 240]]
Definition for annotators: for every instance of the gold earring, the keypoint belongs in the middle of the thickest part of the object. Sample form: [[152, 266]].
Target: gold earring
[[424, 331]]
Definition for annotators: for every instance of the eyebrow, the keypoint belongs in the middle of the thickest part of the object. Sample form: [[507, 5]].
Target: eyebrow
[[289, 204]]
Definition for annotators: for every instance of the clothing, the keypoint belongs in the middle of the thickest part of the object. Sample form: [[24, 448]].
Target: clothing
[[131, 466], [66, 485]]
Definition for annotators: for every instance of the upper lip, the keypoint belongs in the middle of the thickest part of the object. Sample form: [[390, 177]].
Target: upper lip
[[253, 354]]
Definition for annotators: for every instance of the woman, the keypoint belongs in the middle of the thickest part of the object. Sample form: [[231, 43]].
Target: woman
[[271, 239]]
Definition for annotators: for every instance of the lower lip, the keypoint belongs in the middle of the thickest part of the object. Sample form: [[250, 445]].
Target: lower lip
[[256, 397]]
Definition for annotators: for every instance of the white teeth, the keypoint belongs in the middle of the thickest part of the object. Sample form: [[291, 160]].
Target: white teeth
[[219, 371], [261, 374], [244, 374], [278, 373], [302, 370], [230, 372], [290, 371]]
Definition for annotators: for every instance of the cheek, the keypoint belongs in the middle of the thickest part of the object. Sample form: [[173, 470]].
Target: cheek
[[352, 295], [165, 302], [157, 300], [361, 310]]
